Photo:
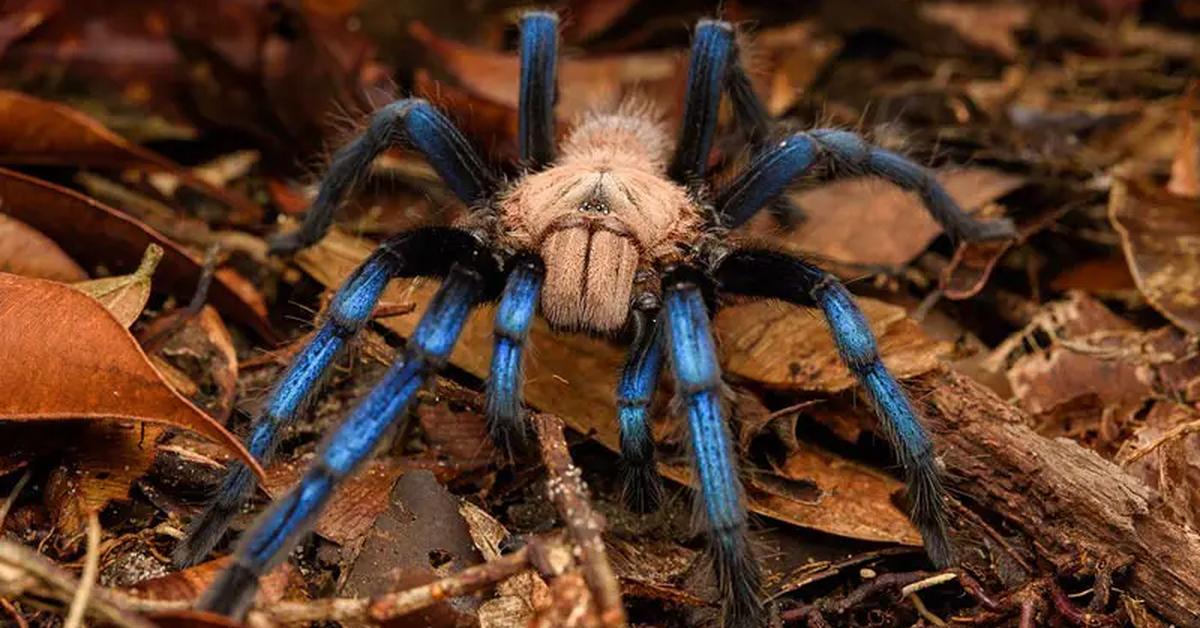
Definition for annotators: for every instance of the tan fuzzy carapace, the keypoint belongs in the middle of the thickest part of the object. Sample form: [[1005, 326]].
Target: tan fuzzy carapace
[[602, 210]]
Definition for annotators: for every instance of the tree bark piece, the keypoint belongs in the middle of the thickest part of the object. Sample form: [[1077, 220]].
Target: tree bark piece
[[1063, 500]]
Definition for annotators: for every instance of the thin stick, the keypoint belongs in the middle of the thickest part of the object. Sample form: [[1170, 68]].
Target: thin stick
[[569, 494], [12, 497], [91, 565], [25, 572]]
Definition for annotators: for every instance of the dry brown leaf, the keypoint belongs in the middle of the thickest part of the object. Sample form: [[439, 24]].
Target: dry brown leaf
[[867, 221], [1160, 234], [792, 348], [989, 26], [418, 537], [68, 358], [125, 296], [103, 461], [850, 499], [354, 506], [188, 584], [96, 234], [583, 83], [36, 131], [25, 251], [1173, 468], [575, 376], [1185, 168]]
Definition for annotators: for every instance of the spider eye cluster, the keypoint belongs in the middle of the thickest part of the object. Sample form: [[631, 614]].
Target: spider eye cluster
[[595, 205]]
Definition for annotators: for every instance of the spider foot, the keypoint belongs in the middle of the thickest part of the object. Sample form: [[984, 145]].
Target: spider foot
[[739, 580], [208, 528], [641, 487]]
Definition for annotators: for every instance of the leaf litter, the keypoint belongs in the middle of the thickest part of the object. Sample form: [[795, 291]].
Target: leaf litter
[[1076, 121]]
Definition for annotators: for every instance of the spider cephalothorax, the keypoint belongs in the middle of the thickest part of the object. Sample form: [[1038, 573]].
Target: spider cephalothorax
[[573, 233], [601, 211]]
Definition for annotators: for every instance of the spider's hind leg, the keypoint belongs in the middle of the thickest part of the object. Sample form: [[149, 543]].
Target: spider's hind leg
[[698, 383], [288, 519], [773, 170], [774, 275], [348, 312]]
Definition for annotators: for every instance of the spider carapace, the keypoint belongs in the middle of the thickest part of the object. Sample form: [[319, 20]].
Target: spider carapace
[[616, 231]]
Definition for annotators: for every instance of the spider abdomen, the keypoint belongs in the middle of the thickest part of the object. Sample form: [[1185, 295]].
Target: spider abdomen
[[601, 211]]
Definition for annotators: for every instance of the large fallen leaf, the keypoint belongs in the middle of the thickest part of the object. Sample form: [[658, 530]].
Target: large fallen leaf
[[63, 356], [870, 222], [787, 347], [575, 376], [583, 83], [36, 131], [96, 234], [25, 251], [1160, 234]]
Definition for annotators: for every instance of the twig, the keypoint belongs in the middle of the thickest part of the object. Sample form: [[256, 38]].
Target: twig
[[393, 605], [925, 612], [1177, 432], [12, 497], [24, 572], [159, 334], [87, 580], [569, 494]]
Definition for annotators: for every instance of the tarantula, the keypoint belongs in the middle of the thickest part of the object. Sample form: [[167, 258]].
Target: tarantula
[[618, 232]]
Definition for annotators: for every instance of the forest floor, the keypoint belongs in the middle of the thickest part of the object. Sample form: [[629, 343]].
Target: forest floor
[[148, 149]]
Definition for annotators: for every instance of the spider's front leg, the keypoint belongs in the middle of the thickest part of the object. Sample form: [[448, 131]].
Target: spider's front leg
[[514, 315], [698, 384], [774, 275], [412, 123], [288, 519]]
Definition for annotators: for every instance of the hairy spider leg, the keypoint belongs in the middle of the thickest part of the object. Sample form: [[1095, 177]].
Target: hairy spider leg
[[413, 123], [418, 252], [289, 518], [774, 275], [643, 488], [514, 315], [699, 386], [775, 169], [712, 49], [535, 113]]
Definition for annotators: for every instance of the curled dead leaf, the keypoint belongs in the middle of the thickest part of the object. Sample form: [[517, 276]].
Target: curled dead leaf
[[1160, 234], [96, 234], [125, 296], [68, 358]]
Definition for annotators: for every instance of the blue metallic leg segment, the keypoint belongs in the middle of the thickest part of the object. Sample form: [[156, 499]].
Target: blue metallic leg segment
[[698, 383], [281, 526], [776, 275], [712, 51], [415, 124], [535, 113], [775, 169], [419, 252], [518, 305], [643, 488]]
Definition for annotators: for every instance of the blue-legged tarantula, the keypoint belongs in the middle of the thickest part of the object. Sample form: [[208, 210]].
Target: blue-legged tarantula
[[578, 233]]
